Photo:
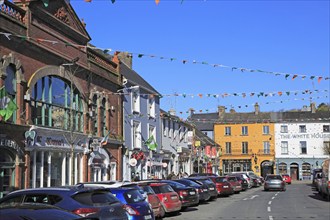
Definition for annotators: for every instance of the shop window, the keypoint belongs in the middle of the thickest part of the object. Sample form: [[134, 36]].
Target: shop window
[[244, 130], [245, 148], [282, 168], [306, 171], [326, 128], [227, 131], [265, 129], [228, 147], [10, 87]]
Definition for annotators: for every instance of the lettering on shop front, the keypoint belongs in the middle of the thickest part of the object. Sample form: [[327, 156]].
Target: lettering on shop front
[[11, 144], [48, 141], [304, 136]]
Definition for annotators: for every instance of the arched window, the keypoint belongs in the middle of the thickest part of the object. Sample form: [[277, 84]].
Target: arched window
[[282, 168], [306, 171], [10, 86], [53, 105]]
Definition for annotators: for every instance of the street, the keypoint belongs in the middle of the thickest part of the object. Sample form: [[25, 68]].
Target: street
[[299, 201]]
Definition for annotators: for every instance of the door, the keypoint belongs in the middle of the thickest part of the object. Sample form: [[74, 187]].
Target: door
[[294, 171], [6, 180]]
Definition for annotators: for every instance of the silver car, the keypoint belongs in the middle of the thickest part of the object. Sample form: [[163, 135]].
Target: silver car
[[274, 182]]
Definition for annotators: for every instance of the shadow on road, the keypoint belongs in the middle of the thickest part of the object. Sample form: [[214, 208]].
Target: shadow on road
[[189, 209]]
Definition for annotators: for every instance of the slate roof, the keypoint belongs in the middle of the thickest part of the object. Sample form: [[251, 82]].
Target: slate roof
[[205, 122], [135, 79]]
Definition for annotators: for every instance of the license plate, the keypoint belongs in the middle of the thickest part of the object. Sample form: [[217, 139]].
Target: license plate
[[225, 186], [173, 197], [192, 193], [147, 217], [211, 188]]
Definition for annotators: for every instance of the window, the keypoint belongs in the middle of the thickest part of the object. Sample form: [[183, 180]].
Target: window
[[326, 128], [303, 147], [282, 167], [170, 127], [137, 143], [152, 131], [302, 128], [165, 127], [306, 171], [52, 105], [265, 129], [284, 129], [244, 130], [136, 100], [94, 114], [103, 117], [284, 147], [326, 146], [181, 132], [228, 147], [245, 148], [151, 106], [266, 147], [10, 87], [227, 131]]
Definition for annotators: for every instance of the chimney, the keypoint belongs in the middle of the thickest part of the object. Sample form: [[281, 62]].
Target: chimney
[[232, 111], [172, 111], [191, 111], [313, 108], [256, 108], [124, 57], [221, 111]]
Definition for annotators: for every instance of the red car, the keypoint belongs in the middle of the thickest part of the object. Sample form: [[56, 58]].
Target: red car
[[153, 200], [237, 187], [286, 178], [169, 199], [223, 187]]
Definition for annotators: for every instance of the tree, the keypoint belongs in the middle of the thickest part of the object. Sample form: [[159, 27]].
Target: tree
[[326, 148], [323, 107]]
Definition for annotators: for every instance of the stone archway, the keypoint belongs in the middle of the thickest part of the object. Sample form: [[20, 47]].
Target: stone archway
[[294, 171], [267, 167]]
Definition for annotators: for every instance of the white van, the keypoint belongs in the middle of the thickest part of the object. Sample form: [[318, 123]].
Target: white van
[[325, 185]]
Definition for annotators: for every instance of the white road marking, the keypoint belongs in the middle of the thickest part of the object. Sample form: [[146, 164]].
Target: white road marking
[[245, 199], [270, 202], [252, 197], [273, 197], [270, 217], [268, 209], [276, 194]]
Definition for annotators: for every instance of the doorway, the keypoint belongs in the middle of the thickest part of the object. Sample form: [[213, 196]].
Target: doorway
[[7, 173], [294, 171]]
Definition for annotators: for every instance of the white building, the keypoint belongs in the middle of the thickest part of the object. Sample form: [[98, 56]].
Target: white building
[[300, 138]]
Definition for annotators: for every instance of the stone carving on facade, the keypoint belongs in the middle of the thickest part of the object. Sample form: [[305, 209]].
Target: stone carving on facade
[[62, 15]]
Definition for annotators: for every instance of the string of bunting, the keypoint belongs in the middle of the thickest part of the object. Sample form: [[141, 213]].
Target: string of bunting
[[183, 61]]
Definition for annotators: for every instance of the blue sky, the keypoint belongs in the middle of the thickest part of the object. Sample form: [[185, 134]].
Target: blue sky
[[277, 36]]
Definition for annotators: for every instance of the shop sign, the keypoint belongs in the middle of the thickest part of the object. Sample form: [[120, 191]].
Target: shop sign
[[4, 142], [190, 138], [179, 149]]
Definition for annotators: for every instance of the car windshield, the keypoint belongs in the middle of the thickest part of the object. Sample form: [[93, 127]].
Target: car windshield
[[220, 180], [148, 190], [188, 183], [176, 184], [133, 196], [275, 177], [163, 188]]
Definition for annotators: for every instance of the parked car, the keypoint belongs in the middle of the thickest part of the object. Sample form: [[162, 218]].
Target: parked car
[[135, 204], [314, 173], [243, 182], [222, 185], [201, 189], [245, 176], [187, 194], [153, 200], [235, 184], [209, 183], [318, 182], [82, 201], [325, 185], [202, 174], [286, 178], [35, 211], [168, 197], [274, 182]]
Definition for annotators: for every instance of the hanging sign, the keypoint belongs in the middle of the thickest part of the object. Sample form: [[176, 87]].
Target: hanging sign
[[132, 162]]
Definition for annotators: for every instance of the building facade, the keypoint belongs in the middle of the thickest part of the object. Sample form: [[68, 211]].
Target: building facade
[[64, 90], [141, 123]]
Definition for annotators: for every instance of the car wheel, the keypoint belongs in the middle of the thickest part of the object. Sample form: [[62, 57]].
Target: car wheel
[[162, 211], [265, 189]]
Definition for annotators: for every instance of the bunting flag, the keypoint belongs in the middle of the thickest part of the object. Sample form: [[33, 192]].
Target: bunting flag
[[184, 61], [104, 140], [7, 105], [151, 143]]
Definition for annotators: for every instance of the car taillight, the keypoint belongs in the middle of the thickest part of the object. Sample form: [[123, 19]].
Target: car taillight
[[85, 211], [329, 184], [183, 193], [130, 210]]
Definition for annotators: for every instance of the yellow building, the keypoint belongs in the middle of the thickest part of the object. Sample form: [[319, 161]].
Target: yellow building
[[246, 141]]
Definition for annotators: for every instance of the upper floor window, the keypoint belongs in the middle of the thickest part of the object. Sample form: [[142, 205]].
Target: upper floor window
[[151, 106], [326, 128], [284, 129], [136, 100], [10, 87], [94, 114], [227, 131], [265, 129], [137, 141], [303, 147], [244, 130], [54, 106], [165, 127], [302, 128], [245, 148], [228, 147], [266, 147], [284, 147]]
